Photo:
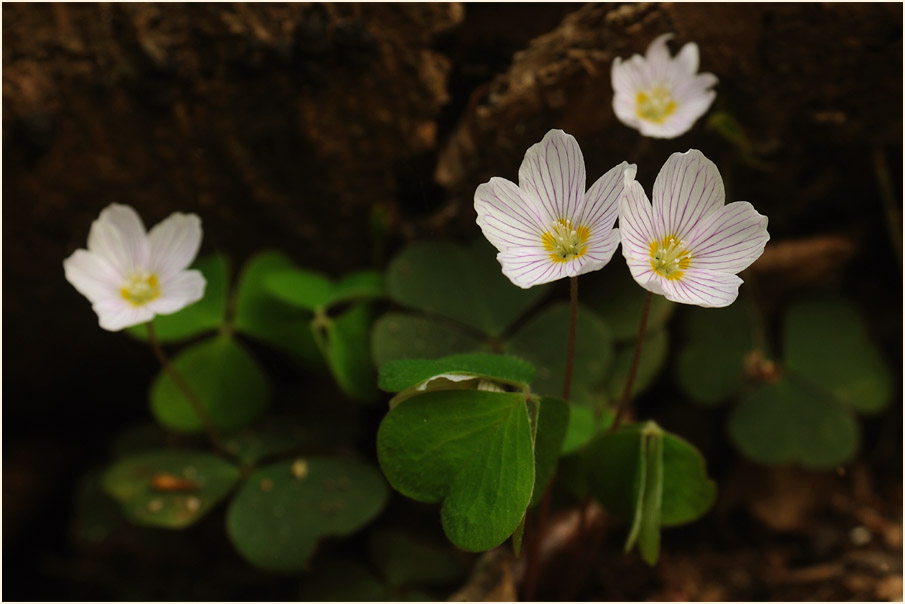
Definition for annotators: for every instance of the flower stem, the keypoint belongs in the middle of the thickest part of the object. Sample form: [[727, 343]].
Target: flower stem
[[531, 571], [570, 351], [183, 386], [630, 381]]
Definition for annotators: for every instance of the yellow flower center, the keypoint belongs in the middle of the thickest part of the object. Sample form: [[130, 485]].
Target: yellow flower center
[[565, 242], [669, 257], [140, 288], [656, 104]]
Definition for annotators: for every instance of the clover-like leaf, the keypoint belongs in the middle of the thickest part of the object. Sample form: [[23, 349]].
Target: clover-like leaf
[[207, 314], [710, 366], [461, 283], [472, 450], [649, 476], [282, 510], [827, 343], [345, 344], [169, 488], [261, 315], [552, 421], [397, 336], [311, 290], [543, 341], [223, 376], [615, 296], [791, 422]]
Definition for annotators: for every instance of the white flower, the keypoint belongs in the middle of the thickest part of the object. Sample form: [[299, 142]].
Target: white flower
[[689, 245], [661, 96], [547, 227], [129, 275]]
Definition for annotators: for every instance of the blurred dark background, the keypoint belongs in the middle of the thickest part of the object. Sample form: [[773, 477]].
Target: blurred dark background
[[336, 133]]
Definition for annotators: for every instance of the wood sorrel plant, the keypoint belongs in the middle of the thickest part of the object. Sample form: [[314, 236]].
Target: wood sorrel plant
[[468, 431]]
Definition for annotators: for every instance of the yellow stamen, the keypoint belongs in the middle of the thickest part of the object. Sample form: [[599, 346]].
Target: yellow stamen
[[669, 257], [140, 288], [656, 104], [564, 241]]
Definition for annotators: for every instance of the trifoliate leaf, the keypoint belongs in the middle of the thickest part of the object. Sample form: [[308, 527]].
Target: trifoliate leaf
[[710, 366], [826, 342], [225, 379], [396, 336], [461, 283], [282, 510], [472, 450], [344, 341], [169, 488], [543, 342], [261, 315], [792, 422]]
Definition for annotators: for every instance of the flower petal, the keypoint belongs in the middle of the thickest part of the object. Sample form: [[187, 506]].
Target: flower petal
[[178, 291], [730, 239], [600, 251], [636, 226], [115, 314], [688, 188], [601, 202], [687, 61], [91, 275], [508, 216], [553, 170], [659, 61], [174, 243], [527, 267], [701, 287], [118, 236]]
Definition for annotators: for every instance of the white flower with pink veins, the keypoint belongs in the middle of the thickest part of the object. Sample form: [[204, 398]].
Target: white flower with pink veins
[[689, 246], [129, 275], [547, 227], [659, 95]]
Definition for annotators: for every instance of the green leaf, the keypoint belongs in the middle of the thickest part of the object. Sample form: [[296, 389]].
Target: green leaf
[[299, 287], [653, 357], [261, 315], [583, 426], [360, 285], [553, 418], [398, 336], [710, 367], [169, 488], [399, 375], [311, 290], [347, 350], [405, 558], [687, 491], [826, 342], [223, 376], [544, 339], [283, 509], [652, 498], [791, 422], [462, 283], [619, 300], [207, 314], [472, 450]]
